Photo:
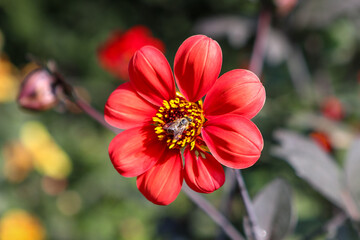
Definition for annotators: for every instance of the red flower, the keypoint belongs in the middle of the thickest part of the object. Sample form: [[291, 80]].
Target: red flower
[[159, 121], [332, 108], [322, 139], [114, 55]]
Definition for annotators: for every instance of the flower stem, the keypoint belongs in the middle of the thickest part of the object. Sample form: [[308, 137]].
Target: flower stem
[[94, 114], [254, 227], [209, 209], [230, 189]]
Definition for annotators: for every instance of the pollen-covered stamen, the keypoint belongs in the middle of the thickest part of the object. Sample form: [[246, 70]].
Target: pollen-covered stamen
[[179, 122]]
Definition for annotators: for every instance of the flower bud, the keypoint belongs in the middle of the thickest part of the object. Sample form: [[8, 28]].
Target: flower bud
[[333, 109], [115, 53], [284, 7], [323, 140], [38, 91]]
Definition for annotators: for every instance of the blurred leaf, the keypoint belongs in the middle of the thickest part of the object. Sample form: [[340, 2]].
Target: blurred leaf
[[322, 12], [278, 47], [312, 164], [274, 209], [352, 176], [341, 135], [236, 29]]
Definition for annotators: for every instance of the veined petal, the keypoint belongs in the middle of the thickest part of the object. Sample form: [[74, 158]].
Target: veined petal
[[136, 150], [151, 76], [233, 140], [162, 183], [237, 92], [203, 173], [197, 66], [126, 109]]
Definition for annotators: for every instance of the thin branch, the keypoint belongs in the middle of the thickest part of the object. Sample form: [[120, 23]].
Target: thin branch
[[214, 214], [254, 227]]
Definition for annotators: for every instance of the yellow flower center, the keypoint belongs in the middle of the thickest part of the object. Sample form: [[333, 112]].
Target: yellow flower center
[[179, 122]]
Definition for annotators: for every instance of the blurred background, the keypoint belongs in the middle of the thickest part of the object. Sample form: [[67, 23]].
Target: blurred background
[[56, 179]]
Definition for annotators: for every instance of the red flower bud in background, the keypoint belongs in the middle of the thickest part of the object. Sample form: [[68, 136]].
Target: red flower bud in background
[[323, 140], [332, 108], [284, 7], [38, 91], [114, 55]]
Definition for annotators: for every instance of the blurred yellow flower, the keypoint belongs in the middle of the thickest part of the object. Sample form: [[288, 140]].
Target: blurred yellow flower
[[20, 225], [49, 159], [9, 81], [17, 161]]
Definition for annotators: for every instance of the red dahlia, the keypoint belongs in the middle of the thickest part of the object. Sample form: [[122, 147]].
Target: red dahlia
[[159, 121]]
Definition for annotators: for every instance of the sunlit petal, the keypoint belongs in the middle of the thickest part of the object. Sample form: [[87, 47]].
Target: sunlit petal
[[162, 183], [203, 173], [238, 92], [126, 109], [233, 140], [136, 150], [151, 76], [197, 66]]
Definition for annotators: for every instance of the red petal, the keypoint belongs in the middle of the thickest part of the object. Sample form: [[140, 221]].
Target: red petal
[[162, 183], [136, 150], [197, 66], [233, 140], [203, 175], [237, 92], [126, 109], [151, 75]]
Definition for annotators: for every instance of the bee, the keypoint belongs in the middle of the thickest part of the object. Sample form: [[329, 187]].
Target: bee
[[177, 127]]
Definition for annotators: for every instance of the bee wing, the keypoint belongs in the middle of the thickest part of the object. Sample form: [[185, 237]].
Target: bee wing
[[170, 127], [179, 132]]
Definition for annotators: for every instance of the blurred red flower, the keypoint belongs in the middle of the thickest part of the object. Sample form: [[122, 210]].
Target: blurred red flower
[[322, 139], [114, 55], [160, 122], [332, 108], [284, 7]]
